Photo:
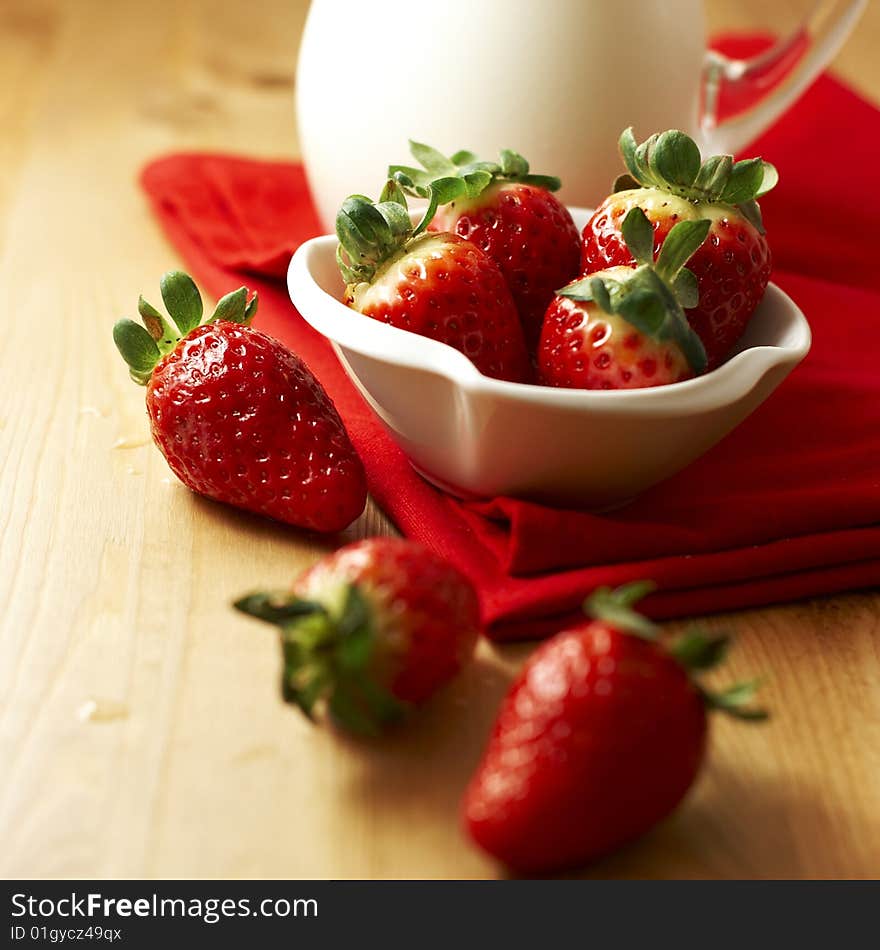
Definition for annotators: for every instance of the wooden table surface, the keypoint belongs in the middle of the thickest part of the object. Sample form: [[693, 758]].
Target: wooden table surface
[[141, 733]]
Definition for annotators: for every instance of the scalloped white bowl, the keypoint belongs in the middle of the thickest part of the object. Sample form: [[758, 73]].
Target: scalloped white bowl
[[480, 437]]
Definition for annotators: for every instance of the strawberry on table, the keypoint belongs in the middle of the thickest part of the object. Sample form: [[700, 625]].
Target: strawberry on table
[[510, 214], [435, 284], [599, 738], [238, 417], [370, 631], [668, 181], [625, 327]]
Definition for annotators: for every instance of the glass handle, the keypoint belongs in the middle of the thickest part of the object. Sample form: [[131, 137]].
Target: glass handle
[[770, 82]]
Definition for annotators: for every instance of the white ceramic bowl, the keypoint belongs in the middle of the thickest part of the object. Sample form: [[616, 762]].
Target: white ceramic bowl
[[480, 437]]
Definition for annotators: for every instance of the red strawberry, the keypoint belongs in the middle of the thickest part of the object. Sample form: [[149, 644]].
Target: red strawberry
[[371, 630], [624, 328], [436, 285], [238, 417], [510, 214], [598, 739], [668, 182]]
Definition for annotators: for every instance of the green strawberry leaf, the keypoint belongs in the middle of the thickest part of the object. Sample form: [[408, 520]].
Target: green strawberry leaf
[[184, 303], [445, 190], [679, 245], [678, 329], [308, 688], [751, 211], [629, 594], [593, 288], [686, 289], [644, 297], [696, 650], [601, 292], [734, 700], [369, 233], [396, 217], [251, 309], [581, 289], [355, 612], [644, 309], [671, 161], [651, 296], [327, 654], [160, 328], [356, 239], [137, 348], [464, 157], [714, 174], [493, 168], [624, 182], [615, 606], [477, 182], [371, 224], [393, 192], [435, 162], [182, 300], [277, 607], [441, 192], [466, 165], [675, 158], [547, 182], [355, 649], [638, 234], [513, 164], [769, 181], [231, 307], [628, 146], [293, 663], [410, 177], [746, 178]]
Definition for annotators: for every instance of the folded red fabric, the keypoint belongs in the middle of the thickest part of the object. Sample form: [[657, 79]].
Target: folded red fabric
[[787, 506]]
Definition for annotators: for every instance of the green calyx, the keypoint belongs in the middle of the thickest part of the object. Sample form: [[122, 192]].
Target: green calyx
[[463, 175], [328, 659], [671, 162], [654, 295], [143, 346], [370, 232], [695, 650]]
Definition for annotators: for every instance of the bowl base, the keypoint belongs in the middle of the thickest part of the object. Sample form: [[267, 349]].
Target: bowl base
[[464, 495], [456, 492]]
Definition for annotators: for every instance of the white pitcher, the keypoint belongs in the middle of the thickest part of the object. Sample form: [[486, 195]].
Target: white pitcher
[[557, 80]]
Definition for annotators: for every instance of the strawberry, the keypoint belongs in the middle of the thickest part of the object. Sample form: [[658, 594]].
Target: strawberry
[[510, 214], [598, 739], [437, 285], [238, 417], [668, 182], [624, 327], [370, 631]]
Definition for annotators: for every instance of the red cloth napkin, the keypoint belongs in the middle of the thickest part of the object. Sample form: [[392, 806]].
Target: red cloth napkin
[[787, 506]]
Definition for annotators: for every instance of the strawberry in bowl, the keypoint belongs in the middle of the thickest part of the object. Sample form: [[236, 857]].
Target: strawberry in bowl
[[625, 327], [669, 182], [508, 212], [437, 285]]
